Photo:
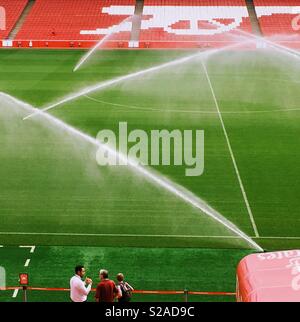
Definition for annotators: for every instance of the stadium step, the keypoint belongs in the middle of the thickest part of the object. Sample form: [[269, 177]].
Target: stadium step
[[253, 18], [21, 20], [136, 23]]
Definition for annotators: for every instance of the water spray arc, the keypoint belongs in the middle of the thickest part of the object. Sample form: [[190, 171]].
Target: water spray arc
[[151, 175], [281, 48], [112, 31], [127, 77]]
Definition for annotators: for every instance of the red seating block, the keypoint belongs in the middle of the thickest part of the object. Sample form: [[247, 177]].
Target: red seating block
[[193, 20], [278, 17], [77, 20], [13, 9]]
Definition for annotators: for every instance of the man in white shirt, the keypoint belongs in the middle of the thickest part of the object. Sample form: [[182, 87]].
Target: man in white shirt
[[79, 288]]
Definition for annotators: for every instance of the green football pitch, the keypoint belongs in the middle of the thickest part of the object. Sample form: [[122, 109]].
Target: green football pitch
[[54, 195]]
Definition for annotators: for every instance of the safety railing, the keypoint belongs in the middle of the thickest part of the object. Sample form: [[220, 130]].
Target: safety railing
[[185, 293]]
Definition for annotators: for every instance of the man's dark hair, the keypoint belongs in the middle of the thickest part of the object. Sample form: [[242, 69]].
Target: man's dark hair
[[78, 268]]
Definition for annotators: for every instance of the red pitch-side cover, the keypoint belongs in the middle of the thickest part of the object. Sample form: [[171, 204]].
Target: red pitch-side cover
[[269, 277]]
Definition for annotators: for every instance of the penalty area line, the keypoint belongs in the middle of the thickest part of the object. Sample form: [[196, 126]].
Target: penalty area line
[[15, 294], [27, 262], [231, 152]]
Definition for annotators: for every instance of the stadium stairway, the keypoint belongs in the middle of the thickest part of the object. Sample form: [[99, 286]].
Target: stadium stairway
[[253, 18], [136, 23], [21, 20]]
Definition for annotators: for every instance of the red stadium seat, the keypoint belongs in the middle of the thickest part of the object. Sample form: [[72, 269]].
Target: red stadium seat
[[77, 20], [276, 16], [193, 20], [13, 9], [165, 23]]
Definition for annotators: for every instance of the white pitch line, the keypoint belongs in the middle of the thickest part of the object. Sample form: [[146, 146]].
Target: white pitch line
[[231, 153], [114, 235], [175, 189], [15, 294], [277, 237], [111, 82], [140, 235], [27, 262], [184, 111], [32, 248]]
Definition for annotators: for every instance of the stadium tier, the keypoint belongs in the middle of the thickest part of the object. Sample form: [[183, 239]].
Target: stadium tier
[[164, 23], [193, 21], [13, 10], [276, 16], [77, 20]]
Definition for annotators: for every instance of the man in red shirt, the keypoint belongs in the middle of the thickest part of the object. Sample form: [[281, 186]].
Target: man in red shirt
[[106, 289]]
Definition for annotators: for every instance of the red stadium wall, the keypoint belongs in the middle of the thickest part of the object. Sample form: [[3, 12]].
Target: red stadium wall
[[65, 44]]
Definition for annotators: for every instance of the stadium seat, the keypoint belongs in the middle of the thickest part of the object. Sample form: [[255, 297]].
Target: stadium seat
[[276, 16], [13, 10], [77, 20], [193, 20]]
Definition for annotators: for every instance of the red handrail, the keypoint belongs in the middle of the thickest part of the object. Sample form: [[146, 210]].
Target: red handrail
[[59, 289]]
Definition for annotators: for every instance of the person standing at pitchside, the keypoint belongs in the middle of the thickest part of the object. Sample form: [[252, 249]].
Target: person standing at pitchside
[[125, 289], [106, 289], [80, 289]]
